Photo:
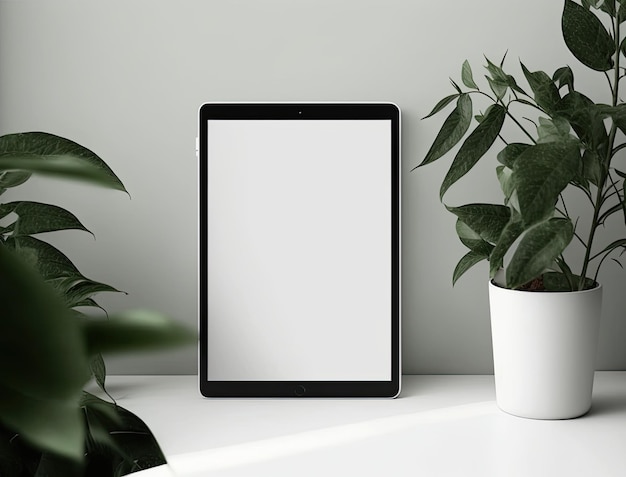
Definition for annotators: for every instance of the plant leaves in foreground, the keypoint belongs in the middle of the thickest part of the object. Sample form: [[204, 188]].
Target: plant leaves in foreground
[[134, 330], [117, 438], [57, 270], [39, 152], [35, 217], [43, 364]]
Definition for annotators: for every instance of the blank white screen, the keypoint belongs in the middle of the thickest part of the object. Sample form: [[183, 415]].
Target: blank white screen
[[299, 250]]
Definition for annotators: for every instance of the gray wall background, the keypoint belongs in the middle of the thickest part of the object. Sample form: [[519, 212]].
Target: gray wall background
[[125, 78]]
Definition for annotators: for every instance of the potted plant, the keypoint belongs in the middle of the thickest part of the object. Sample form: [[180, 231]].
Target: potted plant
[[49, 346], [544, 310]]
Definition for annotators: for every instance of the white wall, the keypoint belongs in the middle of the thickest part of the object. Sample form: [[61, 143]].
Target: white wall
[[125, 78]]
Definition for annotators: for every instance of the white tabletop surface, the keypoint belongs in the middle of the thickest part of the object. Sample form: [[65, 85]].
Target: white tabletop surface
[[439, 426]]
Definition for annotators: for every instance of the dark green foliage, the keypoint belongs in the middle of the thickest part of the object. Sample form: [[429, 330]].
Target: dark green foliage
[[36, 152], [572, 145], [48, 350], [586, 37], [116, 443]]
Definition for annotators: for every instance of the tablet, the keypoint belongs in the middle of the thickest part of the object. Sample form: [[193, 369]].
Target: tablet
[[299, 249]]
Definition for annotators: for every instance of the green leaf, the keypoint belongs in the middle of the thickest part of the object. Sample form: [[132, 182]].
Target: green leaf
[[621, 12], [33, 314], [545, 92], [49, 424], [540, 174], [592, 167], [591, 3], [12, 179], [509, 235], [58, 271], [616, 113], [88, 302], [35, 218], [471, 239], [453, 129], [553, 130], [608, 6], [586, 37], [487, 220], [43, 363], [39, 152], [564, 77], [498, 87], [510, 153], [499, 81], [119, 438], [12, 454], [480, 117], [474, 147], [506, 183], [537, 250], [104, 408], [442, 104], [467, 261], [456, 86], [134, 330], [76, 294], [466, 75], [496, 72], [48, 260], [585, 117], [102, 418], [98, 370]]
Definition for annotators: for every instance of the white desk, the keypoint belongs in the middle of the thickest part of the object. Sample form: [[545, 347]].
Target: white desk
[[439, 426]]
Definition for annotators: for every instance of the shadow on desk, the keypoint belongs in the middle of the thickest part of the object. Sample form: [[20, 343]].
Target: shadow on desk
[[605, 405]]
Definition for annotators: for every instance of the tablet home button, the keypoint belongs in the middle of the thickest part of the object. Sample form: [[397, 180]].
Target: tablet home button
[[299, 390]]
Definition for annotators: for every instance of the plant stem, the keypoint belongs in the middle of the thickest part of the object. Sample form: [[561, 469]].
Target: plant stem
[[615, 191], [618, 148], [607, 163], [567, 272], [520, 126], [508, 113], [506, 109]]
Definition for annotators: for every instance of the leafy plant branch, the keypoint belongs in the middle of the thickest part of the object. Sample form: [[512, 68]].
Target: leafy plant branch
[[571, 148], [48, 350]]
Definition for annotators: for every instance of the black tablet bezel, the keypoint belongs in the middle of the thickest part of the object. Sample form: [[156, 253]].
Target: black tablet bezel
[[295, 111]]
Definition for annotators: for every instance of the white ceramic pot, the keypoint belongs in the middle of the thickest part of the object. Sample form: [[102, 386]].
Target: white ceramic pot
[[544, 350]]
